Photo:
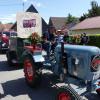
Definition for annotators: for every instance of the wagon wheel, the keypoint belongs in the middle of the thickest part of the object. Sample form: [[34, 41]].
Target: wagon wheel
[[31, 76]]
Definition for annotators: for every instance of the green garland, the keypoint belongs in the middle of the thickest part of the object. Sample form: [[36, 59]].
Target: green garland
[[34, 38]]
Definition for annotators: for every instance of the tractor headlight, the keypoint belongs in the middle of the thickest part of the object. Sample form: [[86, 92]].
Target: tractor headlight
[[95, 63]]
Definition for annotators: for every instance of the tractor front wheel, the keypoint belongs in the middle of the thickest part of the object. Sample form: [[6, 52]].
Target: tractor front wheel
[[31, 76]]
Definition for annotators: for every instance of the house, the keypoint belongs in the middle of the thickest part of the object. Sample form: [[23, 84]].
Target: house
[[59, 23], [5, 27], [32, 9], [67, 27], [89, 26]]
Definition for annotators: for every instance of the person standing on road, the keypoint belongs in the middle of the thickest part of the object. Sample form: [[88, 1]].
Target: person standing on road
[[84, 39], [66, 38]]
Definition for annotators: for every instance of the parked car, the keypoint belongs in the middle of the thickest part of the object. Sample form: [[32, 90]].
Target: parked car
[[4, 39]]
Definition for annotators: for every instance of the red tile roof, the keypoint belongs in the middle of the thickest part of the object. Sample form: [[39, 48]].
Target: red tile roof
[[57, 22], [89, 23], [5, 26]]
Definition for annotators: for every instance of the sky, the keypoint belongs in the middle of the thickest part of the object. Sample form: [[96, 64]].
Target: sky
[[46, 8]]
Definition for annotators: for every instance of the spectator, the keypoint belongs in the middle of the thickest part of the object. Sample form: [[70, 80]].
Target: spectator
[[84, 39], [52, 39], [46, 34], [51, 32], [66, 38], [59, 37], [46, 45]]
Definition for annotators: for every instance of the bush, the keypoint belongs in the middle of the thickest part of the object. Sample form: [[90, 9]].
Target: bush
[[94, 40]]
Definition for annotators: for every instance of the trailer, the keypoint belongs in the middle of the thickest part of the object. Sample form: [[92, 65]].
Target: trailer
[[27, 23], [76, 67]]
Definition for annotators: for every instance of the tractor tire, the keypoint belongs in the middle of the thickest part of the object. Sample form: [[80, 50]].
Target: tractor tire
[[98, 91], [32, 76], [9, 59], [10, 55], [67, 93]]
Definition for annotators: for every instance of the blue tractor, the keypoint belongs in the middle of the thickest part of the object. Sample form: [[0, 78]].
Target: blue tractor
[[77, 68]]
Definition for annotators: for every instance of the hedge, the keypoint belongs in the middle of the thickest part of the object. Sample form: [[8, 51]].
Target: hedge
[[94, 40]]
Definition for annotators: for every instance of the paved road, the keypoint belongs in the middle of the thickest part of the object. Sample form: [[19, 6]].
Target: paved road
[[13, 86]]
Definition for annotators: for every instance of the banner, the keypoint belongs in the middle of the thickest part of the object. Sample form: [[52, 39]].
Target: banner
[[28, 23]]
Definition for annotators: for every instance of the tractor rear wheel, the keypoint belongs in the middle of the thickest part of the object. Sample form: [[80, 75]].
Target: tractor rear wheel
[[67, 93], [31, 76], [98, 91]]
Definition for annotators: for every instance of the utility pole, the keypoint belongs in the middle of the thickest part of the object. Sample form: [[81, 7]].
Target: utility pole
[[23, 6]]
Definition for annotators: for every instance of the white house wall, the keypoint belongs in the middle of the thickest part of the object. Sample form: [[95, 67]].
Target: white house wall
[[88, 31]]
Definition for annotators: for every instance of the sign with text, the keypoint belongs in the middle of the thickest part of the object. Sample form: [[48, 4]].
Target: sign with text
[[28, 23]]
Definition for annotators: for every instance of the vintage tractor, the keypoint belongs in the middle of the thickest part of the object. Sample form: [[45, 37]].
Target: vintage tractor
[[76, 67]]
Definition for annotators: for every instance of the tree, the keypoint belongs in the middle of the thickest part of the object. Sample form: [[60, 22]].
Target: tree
[[71, 19], [84, 16], [0, 22], [94, 11]]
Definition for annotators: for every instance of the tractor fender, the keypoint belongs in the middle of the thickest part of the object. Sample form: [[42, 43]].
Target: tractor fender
[[36, 58]]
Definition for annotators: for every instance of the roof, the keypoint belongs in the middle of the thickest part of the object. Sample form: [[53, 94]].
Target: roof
[[32, 9], [57, 22], [89, 23], [68, 26], [5, 26]]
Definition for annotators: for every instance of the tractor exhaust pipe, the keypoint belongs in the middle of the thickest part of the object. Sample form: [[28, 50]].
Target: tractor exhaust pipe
[[62, 49], [64, 62]]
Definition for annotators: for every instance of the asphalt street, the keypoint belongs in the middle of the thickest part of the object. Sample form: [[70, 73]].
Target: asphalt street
[[14, 87]]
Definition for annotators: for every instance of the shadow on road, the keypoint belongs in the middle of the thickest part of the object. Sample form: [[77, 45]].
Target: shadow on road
[[5, 67], [19, 87], [92, 96]]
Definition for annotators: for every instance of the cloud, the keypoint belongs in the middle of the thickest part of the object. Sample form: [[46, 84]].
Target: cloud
[[37, 4], [8, 19], [24, 0]]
